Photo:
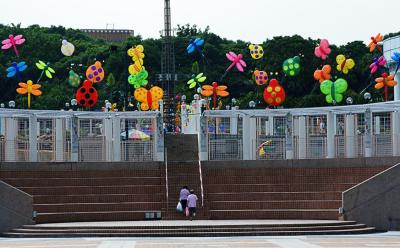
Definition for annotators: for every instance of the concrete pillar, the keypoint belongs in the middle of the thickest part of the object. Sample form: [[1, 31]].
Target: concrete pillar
[[269, 126], [116, 133], [233, 124], [246, 138], [202, 138], [302, 145], [2, 126], [74, 139], [368, 134], [377, 125], [395, 132], [159, 138], [289, 136], [107, 124], [350, 136], [60, 140], [253, 138], [330, 134], [11, 136], [33, 148], [184, 119]]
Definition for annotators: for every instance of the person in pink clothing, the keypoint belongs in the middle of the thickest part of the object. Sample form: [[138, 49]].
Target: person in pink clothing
[[183, 196], [191, 203]]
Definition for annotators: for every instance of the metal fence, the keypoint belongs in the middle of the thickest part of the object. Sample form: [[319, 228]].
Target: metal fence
[[370, 130], [46, 136]]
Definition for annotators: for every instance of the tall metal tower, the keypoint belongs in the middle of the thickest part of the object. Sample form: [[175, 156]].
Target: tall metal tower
[[168, 76]]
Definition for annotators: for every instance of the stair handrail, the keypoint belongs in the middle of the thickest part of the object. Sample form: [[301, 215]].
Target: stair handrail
[[201, 184]]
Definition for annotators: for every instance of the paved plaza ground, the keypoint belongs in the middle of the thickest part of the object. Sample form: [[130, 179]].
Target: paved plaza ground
[[387, 240]]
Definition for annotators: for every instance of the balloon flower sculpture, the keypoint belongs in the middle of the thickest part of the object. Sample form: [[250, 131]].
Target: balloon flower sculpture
[[323, 74], [322, 51], [13, 42], [344, 64], [256, 51], [334, 90], [375, 43], [148, 99], [377, 64], [215, 90], [16, 69], [274, 94], [396, 58], [29, 88], [384, 82], [67, 48]]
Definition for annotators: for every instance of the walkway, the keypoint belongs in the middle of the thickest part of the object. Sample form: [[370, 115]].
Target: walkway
[[387, 240]]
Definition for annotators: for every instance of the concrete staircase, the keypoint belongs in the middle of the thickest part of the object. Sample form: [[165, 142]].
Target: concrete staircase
[[183, 169], [243, 192], [189, 229], [91, 195]]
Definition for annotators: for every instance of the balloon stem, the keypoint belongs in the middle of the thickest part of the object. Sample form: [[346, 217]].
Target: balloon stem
[[386, 93], [40, 77], [15, 50]]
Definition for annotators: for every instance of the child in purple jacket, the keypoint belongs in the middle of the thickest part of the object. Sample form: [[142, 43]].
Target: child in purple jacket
[[191, 203]]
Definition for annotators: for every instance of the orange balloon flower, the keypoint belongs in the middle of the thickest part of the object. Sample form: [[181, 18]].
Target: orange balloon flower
[[29, 88], [215, 91], [375, 43], [384, 82]]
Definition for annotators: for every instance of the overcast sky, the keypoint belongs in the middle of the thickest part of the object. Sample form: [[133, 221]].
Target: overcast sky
[[340, 21]]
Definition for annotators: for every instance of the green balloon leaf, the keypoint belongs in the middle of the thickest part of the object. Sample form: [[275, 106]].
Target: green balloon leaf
[[195, 68]]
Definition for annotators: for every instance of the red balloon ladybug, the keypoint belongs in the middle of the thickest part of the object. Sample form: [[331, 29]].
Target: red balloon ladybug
[[274, 94], [87, 95]]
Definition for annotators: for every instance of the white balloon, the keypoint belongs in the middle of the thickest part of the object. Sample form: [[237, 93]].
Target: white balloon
[[67, 48]]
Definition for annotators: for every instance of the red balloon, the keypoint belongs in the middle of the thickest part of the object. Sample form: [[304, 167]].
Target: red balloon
[[87, 95], [274, 94]]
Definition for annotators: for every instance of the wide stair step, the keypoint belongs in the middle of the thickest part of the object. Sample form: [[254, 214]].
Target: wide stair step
[[189, 230]]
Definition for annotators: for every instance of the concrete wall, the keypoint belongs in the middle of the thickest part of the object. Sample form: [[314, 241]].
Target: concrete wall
[[375, 202], [15, 208], [308, 163]]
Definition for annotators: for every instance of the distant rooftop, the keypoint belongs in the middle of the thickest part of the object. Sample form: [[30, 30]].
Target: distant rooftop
[[111, 35]]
